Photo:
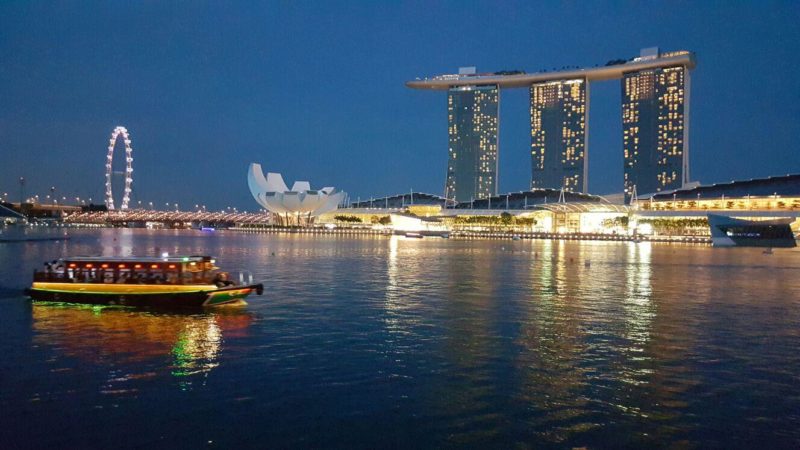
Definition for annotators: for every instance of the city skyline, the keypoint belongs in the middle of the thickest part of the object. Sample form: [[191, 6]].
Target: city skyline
[[209, 96]]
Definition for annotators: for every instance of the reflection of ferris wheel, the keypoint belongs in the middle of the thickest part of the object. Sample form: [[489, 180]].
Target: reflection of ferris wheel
[[126, 196]]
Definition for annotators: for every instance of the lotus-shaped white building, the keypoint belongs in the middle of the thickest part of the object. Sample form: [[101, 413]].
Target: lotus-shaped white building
[[299, 202]]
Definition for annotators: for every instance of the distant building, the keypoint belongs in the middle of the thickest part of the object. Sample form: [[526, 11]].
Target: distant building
[[472, 117], [558, 135], [297, 205], [528, 199], [780, 192], [655, 129], [400, 201]]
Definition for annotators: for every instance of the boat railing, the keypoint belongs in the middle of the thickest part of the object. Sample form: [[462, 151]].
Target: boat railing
[[245, 276]]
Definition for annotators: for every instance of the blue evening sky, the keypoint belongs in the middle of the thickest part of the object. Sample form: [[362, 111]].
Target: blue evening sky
[[315, 90]]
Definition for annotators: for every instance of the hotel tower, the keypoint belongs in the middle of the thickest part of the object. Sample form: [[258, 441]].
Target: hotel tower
[[558, 135], [655, 123], [472, 121], [655, 127]]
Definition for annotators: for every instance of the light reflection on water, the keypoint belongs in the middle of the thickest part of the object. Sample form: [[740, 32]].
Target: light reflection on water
[[374, 342], [107, 335]]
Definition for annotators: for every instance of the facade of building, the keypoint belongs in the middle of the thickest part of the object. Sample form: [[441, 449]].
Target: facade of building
[[558, 135], [655, 115], [291, 206], [682, 213], [472, 117], [774, 194]]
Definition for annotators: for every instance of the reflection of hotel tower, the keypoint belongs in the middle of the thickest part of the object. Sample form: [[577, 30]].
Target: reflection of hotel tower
[[655, 114]]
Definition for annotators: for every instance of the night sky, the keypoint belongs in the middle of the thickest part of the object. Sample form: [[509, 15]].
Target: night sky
[[316, 90]]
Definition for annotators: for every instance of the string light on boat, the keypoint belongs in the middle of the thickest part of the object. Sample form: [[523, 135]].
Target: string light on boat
[[126, 196]]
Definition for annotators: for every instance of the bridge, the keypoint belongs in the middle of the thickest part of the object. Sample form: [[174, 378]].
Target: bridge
[[174, 219]]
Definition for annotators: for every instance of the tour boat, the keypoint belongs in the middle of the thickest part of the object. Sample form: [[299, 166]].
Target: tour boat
[[172, 282]]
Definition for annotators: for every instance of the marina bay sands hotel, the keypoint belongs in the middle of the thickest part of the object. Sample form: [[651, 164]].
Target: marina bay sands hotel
[[655, 124]]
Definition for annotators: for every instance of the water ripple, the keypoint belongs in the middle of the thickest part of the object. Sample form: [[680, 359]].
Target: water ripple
[[393, 342]]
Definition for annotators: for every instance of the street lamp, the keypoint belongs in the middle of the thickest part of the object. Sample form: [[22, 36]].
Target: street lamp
[[21, 191]]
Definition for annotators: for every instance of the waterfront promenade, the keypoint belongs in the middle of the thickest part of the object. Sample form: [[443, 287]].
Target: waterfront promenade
[[465, 234]]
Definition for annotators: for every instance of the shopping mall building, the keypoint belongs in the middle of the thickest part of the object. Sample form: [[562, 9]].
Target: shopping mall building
[[679, 212]]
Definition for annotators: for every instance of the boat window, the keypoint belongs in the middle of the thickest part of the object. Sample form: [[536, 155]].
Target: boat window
[[209, 276], [156, 277], [124, 276], [188, 278], [172, 278], [87, 275], [140, 275]]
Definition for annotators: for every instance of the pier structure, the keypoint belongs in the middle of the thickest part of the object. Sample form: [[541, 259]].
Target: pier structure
[[168, 219]]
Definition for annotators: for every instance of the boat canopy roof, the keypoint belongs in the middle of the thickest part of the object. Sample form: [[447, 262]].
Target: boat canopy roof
[[142, 259]]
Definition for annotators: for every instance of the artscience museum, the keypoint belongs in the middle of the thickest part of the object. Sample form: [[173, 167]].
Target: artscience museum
[[297, 205]]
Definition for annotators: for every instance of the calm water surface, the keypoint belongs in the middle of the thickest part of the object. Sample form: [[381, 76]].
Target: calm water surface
[[392, 342]]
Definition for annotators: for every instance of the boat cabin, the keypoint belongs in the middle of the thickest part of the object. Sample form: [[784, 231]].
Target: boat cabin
[[167, 270]]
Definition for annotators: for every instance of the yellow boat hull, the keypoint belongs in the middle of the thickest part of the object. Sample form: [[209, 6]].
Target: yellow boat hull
[[156, 295]]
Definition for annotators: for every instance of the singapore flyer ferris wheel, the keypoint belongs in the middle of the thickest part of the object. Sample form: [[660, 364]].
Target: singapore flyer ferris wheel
[[126, 196]]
